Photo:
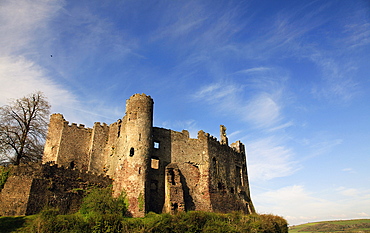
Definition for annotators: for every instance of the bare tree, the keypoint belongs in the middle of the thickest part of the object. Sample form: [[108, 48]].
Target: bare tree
[[23, 127]]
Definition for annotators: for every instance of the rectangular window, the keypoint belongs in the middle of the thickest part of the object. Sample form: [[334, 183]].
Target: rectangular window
[[154, 163], [156, 145]]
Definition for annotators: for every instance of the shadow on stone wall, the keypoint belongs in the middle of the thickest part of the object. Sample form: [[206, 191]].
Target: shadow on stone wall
[[29, 189]]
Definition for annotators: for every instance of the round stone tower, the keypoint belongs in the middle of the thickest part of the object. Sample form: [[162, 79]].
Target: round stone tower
[[132, 170]]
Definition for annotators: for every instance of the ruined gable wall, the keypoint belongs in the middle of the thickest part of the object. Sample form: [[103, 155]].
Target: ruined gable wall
[[191, 155], [110, 155], [52, 144], [161, 157], [97, 155], [211, 172], [228, 181]]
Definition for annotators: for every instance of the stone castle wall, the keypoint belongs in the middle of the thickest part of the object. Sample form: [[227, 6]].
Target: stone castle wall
[[27, 191], [160, 170], [67, 144], [190, 156], [14, 196]]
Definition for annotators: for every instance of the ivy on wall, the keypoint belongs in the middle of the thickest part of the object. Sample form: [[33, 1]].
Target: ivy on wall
[[4, 174]]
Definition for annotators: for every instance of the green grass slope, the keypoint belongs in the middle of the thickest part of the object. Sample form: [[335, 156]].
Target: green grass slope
[[50, 221], [357, 225], [102, 213]]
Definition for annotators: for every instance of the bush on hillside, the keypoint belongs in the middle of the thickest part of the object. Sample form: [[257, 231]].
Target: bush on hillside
[[101, 202], [193, 221], [100, 212]]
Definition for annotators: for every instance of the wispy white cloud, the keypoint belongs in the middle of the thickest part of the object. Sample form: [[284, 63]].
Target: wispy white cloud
[[200, 26], [269, 158], [298, 205], [21, 21], [282, 126], [22, 27], [258, 99], [351, 192], [20, 24], [288, 34], [338, 82], [31, 31], [349, 170], [233, 135], [358, 34], [253, 70], [262, 111], [320, 143], [20, 76], [294, 203]]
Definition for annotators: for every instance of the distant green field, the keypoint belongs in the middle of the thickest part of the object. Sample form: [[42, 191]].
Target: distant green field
[[357, 225]]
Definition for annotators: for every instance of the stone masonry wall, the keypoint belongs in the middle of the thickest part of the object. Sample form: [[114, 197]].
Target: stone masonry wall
[[97, 147], [14, 196], [134, 150], [74, 147], [190, 155], [29, 191], [229, 179], [68, 145]]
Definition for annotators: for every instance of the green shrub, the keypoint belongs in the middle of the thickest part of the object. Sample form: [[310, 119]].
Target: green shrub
[[49, 220], [107, 223], [100, 202], [9, 224]]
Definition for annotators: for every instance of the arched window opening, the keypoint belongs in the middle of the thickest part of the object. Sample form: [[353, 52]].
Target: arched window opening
[[72, 165], [132, 152]]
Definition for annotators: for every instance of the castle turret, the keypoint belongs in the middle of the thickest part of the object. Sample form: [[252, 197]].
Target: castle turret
[[131, 173]]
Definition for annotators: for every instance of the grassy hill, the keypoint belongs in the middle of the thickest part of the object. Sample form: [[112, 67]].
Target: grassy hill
[[49, 221], [357, 225], [102, 213]]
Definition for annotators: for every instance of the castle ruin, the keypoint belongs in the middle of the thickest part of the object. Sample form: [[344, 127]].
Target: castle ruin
[[159, 169]]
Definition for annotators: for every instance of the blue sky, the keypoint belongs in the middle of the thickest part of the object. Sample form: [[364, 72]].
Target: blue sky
[[288, 78]]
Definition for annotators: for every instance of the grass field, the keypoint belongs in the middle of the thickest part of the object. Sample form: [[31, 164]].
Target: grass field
[[357, 225], [49, 221]]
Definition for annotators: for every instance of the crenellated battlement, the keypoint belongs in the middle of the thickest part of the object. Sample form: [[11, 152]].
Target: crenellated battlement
[[77, 126], [98, 124]]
